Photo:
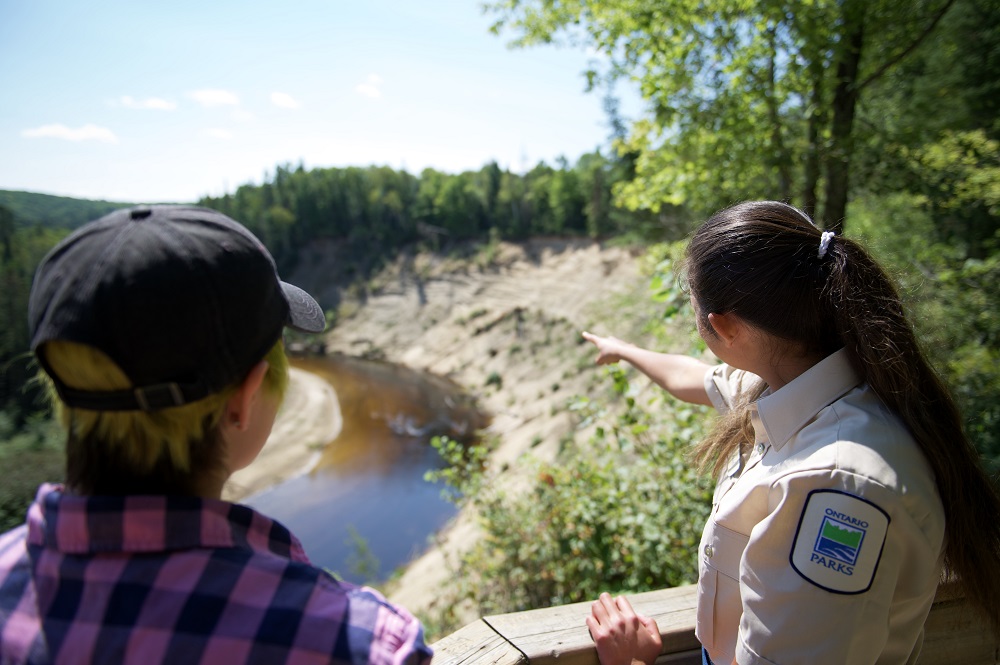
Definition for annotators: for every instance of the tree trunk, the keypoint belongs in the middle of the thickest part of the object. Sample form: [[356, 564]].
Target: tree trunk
[[6, 233], [811, 168], [845, 99], [782, 161]]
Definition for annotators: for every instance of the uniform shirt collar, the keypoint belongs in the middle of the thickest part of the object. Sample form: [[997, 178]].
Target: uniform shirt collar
[[779, 415], [147, 524]]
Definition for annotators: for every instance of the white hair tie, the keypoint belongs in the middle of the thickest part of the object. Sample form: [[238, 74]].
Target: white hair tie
[[824, 242]]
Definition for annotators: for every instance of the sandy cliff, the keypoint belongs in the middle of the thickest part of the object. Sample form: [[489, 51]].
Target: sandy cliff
[[504, 323]]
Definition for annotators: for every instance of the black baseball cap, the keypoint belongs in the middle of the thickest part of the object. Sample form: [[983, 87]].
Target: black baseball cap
[[183, 299]]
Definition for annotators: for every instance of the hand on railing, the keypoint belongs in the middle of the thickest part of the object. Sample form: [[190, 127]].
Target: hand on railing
[[622, 636]]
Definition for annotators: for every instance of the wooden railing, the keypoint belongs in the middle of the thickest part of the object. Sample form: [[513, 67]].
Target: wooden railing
[[558, 635]]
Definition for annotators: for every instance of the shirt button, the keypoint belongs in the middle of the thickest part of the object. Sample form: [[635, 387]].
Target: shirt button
[[709, 551], [760, 448]]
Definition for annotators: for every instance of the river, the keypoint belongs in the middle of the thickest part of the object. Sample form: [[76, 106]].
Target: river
[[365, 509]]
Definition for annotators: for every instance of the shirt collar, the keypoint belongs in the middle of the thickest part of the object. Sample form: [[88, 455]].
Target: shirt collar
[[147, 524], [781, 414]]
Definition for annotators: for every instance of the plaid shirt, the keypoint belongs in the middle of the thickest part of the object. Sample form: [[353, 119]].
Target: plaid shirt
[[156, 579]]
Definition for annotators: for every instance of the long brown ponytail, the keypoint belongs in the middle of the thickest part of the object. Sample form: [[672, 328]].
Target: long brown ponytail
[[760, 260]]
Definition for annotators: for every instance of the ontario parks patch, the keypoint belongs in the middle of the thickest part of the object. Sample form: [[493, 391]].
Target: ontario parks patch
[[839, 541]]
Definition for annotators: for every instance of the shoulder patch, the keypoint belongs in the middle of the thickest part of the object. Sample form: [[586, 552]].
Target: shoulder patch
[[839, 541]]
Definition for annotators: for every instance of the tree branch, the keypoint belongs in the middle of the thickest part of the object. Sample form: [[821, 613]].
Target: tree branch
[[909, 49]]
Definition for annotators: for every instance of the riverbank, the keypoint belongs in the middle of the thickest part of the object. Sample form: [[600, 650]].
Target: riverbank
[[309, 419], [505, 324]]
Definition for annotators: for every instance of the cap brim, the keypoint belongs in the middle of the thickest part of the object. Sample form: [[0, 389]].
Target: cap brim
[[304, 313]]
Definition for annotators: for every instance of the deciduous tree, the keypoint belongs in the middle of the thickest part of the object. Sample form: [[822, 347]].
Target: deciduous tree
[[746, 99]]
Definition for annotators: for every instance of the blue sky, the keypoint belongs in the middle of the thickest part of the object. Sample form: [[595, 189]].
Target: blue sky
[[169, 101]]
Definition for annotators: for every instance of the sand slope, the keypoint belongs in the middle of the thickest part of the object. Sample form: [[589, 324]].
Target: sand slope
[[503, 323], [309, 418]]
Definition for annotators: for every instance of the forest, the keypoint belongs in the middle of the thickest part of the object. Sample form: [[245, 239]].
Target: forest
[[879, 118], [371, 212]]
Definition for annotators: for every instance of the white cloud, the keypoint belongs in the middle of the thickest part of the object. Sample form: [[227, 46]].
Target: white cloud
[[58, 131], [220, 134], [370, 88], [152, 103], [284, 100], [211, 98]]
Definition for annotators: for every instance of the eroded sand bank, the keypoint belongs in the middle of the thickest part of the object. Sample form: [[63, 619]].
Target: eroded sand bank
[[507, 331]]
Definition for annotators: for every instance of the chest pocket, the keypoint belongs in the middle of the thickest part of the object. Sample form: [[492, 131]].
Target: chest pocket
[[719, 604]]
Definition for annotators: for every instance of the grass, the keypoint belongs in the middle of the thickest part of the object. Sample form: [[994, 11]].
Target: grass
[[29, 457]]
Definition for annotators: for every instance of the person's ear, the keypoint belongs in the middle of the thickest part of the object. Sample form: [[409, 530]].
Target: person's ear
[[728, 327], [240, 406]]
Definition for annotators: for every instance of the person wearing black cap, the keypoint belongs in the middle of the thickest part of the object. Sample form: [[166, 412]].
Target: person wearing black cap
[[159, 329]]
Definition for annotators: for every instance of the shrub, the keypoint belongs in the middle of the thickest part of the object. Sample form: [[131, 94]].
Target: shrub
[[494, 379], [622, 512], [29, 457], [953, 301]]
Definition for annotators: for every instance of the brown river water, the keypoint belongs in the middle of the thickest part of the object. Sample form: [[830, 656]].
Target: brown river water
[[369, 482]]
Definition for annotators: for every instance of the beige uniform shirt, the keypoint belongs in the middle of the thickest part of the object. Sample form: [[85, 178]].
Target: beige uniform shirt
[[825, 545]]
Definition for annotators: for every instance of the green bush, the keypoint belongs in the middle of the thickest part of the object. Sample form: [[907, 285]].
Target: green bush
[[622, 512], [494, 379], [28, 457], [953, 301]]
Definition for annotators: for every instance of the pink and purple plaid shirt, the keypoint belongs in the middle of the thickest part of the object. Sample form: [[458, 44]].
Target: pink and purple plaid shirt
[[157, 579]]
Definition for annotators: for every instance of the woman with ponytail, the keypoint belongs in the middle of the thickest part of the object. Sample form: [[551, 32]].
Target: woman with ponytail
[[847, 488]]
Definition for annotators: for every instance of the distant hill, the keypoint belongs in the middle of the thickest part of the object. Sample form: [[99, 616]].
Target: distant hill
[[54, 212]]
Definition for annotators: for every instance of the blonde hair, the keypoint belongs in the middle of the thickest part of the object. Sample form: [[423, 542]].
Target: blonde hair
[[156, 447]]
